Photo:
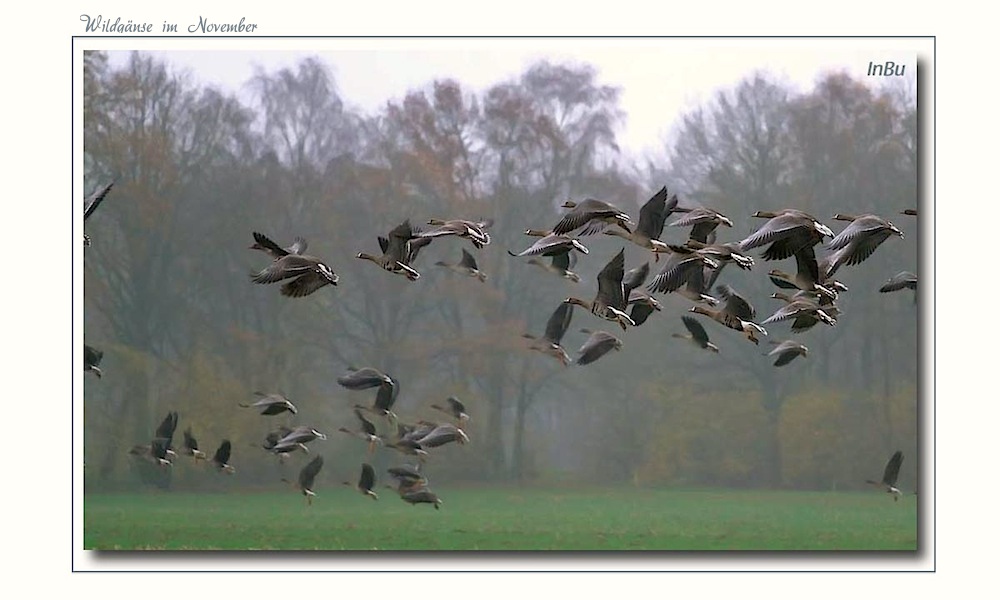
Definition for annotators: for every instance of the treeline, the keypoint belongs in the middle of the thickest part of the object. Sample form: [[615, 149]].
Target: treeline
[[169, 300]]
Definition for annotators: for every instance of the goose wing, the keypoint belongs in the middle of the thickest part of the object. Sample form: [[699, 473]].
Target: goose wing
[[305, 284], [807, 269], [307, 476], [222, 454], [735, 304], [698, 332], [582, 215], [92, 356], [609, 282], [92, 201], [468, 261], [558, 323], [167, 427], [901, 280], [269, 246], [362, 379], [892, 469], [367, 480], [189, 440], [653, 215], [864, 225], [635, 278], [386, 395], [367, 426], [773, 229], [289, 265], [597, 345]]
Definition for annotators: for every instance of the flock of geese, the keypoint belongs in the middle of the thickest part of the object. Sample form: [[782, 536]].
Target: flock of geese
[[623, 298]]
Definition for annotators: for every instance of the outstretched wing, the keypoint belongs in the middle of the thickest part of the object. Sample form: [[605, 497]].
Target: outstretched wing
[[634, 278], [167, 427], [468, 261], [653, 215], [92, 356], [892, 469], [456, 405], [308, 473], [367, 481], [92, 201], [386, 395], [609, 282], [367, 426], [362, 379], [558, 323], [735, 304], [698, 332], [298, 246], [597, 345], [222, 454], [189, 441], [266, 242]]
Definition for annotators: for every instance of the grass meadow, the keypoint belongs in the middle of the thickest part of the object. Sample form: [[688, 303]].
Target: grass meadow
[[513, 519]]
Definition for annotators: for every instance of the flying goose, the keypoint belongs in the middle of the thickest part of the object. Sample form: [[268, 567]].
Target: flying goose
[[593, 216], [191, 446], [652, 217], [466, 266], [396, 251], [165, 432], [804, 317], [805, 311], [890, 476], [807, 276], [307, 273], [858, 240], [736, 313], [366, 482], [697, 334], [159, 450], [408, 477], [912, 212], [550, 244], [307, 478], [367, 432], [899, 281], [642, 305], [611, 300], [91, 359], [455, 409], [271, 404], [90, 204], [420, 495], [597, 345], [786, 351], [154, 452], [384, 399], [441, 434], [474, 231], [364, 378], [703, 222], [787, 231], [555, 329], [221, 458]]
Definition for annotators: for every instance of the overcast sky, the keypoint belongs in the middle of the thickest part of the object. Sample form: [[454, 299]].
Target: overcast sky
[[660, 78]]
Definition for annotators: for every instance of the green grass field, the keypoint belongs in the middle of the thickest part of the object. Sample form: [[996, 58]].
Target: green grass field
[[502, 519]]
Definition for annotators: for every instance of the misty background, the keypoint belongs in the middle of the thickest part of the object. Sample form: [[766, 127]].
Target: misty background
[[197, 169]]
